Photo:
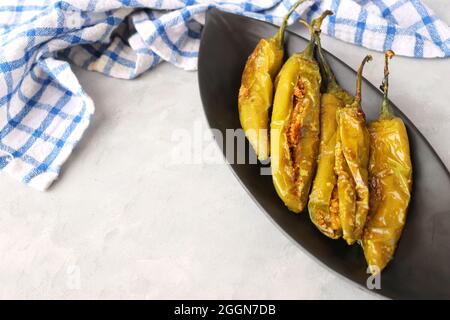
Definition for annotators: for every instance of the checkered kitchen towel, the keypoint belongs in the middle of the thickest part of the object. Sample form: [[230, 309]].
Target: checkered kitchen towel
[[43, 109]]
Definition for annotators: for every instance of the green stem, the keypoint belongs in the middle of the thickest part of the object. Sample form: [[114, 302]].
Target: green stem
[[313, 27], [358, 79], [279, 36], [317, 23], [386, 111], [309, 50], [331, 79]]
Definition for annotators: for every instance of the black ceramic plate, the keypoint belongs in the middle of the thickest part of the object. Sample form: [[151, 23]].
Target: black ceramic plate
[[421, 267]]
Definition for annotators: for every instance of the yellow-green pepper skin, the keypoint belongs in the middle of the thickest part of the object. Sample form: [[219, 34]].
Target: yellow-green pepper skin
[[351, 165], [352, 157], [390, 174], [256, 91], [323, 205], [294, 129]]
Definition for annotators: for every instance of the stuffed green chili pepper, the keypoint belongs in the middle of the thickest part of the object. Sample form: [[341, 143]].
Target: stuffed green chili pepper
[[295, 126], [256, 91], [390, 174], [323, 203], [351, 162]]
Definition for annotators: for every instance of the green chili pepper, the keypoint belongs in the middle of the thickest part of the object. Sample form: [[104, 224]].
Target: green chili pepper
[[390, 174], [256, 91], [323, 203], [295, 126], [351, 162]]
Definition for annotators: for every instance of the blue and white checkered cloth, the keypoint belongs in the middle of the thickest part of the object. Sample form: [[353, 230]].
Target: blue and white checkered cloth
[[44, 110]]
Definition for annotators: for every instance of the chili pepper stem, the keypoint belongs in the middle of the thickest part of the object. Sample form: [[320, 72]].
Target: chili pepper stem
[[309, 50], [315, 25], [358, 79], [386, 111], [331, 79], [280, 34], [332, 84]]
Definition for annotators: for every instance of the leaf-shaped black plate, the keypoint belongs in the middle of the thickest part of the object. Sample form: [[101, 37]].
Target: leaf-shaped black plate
[[421, 268]]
